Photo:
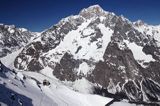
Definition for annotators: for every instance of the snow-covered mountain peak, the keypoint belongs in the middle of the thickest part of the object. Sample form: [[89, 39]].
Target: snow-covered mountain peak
[[92, 11], [93, 8], [139, 23]]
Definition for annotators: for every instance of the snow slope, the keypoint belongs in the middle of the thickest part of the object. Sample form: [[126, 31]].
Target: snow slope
[[29, 84], [138, 53], [122, 104], [8, 60]]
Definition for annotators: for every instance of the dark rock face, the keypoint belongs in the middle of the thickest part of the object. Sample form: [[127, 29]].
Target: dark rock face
[[146, 90], [153, 71], [152, 89], [34, 65], [133, 91], [152, 50], [118, 64], [65, 70]]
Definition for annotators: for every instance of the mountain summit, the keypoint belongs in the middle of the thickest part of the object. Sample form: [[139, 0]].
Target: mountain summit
[[92, 11]]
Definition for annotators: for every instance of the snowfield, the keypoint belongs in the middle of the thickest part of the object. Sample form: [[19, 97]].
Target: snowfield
[[30, 85], [122, 104], [8, 60], [138, 53]]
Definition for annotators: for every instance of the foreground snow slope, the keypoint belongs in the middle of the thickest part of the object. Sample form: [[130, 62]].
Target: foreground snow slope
[[27, 88]]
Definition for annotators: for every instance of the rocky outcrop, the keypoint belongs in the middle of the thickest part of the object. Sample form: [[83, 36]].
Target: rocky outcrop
[[65, 69]]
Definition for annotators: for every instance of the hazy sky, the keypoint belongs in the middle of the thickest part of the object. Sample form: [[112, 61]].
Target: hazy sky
[[37, 15]]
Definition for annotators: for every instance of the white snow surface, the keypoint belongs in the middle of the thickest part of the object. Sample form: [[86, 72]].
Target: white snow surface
[[138, 53], [83, 86], [56, 94], [122, 104], [88, 31], [8, 60], [84, 68], [23, 29], [11, 30]]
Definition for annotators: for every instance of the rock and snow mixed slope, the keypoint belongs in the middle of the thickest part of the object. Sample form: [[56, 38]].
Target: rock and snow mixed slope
[[149, 30], [100, 48], [12, 38]]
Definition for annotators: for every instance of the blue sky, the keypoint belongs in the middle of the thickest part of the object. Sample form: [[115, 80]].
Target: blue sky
[[37, 15]]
